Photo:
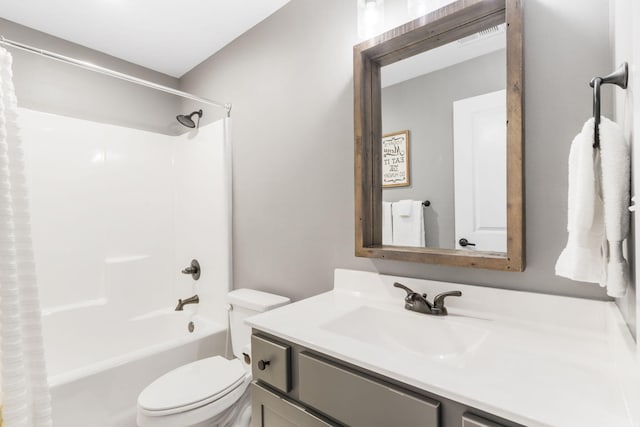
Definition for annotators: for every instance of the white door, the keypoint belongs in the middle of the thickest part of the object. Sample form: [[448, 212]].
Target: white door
[[480, 172]]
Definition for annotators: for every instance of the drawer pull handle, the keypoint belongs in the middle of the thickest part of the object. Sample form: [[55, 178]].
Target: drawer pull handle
[[262, 364]]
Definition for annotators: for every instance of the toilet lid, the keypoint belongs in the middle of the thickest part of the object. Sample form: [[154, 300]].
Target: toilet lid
[[202, 381]]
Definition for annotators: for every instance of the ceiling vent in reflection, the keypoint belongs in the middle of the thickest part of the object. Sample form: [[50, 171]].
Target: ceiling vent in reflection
[[484, 34]]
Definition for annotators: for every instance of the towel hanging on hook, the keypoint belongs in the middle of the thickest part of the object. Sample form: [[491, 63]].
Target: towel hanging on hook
[[619, 77]]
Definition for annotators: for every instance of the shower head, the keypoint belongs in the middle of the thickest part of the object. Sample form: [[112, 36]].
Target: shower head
[[187, 120]]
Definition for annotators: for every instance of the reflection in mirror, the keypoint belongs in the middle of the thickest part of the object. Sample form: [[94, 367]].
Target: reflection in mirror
[[444, 146]]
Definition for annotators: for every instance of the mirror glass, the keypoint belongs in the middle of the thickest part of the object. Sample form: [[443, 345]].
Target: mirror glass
[[444, 146]]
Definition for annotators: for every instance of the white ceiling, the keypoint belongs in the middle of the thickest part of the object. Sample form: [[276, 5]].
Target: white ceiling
[[170, 36]]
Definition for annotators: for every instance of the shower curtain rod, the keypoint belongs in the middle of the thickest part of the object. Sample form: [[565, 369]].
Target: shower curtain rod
[[106, 71]]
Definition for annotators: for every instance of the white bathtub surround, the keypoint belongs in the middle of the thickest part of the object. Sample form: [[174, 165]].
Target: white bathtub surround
[[117, 214], [539, 360], [598, 220], [202, 215], [25, 393], [132, 208]]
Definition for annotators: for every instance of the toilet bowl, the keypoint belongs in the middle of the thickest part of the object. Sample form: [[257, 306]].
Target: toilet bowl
[[213, 391]]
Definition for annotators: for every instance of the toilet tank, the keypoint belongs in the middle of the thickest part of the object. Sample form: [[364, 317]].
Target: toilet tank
[[246, 303]]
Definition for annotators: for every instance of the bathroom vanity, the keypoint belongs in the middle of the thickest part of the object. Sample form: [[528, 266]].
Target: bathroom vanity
[[323, 391], [354, 356]]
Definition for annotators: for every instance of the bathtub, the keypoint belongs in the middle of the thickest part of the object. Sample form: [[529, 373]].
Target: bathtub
[[97, 366]]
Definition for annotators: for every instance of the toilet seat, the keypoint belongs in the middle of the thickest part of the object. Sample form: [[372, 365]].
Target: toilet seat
[[194, 385]]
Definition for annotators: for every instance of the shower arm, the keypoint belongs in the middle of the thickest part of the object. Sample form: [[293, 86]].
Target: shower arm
[[118, 75]]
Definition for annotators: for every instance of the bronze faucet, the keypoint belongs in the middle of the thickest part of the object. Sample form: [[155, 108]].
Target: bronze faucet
[[417, 302], [192, 300]]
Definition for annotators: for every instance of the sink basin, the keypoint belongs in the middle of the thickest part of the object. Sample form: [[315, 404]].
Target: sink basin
[[441, 338]]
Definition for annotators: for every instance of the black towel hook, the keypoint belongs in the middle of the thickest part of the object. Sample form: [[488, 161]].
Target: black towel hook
[[619, 77]]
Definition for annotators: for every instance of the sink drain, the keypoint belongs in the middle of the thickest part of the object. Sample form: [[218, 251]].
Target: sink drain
[[191, 327]]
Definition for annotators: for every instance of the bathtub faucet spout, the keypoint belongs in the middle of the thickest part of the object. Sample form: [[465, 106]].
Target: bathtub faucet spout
[[182, 302]]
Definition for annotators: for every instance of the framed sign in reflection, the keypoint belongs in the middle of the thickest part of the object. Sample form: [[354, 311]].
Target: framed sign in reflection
[[395, 160]]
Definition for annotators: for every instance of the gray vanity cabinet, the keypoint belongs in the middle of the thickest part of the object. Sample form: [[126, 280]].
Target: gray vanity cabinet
[[295, 386]]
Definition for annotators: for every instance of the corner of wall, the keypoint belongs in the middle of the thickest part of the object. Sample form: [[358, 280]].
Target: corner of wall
[[625, 47]]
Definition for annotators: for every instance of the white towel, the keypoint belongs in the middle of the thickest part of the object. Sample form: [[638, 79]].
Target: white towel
[[387, 224], [616, 185], [598, 202], [581, 259], [408, 230], [404, 207]]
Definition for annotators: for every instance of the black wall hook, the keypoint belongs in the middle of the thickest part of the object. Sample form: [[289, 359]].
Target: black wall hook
[[619, 77]]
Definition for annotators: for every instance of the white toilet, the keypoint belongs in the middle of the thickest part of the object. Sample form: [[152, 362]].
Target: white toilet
[[213, 391]]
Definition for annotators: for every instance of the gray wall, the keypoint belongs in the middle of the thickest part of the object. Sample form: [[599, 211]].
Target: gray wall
[[424, 106], [290, 80], [50, 86]]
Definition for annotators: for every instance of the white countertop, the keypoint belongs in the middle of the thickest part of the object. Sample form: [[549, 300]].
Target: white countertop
[[538, 360]]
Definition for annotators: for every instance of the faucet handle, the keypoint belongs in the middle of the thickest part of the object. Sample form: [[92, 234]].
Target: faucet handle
[[411, 295], [405, 288], [438, 301], [193, 269]]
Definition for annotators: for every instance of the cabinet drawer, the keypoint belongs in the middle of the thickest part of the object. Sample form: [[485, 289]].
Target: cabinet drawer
[[271, 410], [470, 420], [356, 400], [271, 363]]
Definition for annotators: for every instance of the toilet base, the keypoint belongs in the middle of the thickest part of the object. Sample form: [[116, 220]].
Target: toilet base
[[239, 415]]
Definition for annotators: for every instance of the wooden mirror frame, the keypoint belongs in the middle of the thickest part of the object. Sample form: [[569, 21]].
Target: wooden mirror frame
[[450, 23]]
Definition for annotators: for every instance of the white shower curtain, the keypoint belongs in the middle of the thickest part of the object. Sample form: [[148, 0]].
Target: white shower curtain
[[25, 395]]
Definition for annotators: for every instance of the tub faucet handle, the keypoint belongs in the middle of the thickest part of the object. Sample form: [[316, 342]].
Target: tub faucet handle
[[193, 269]]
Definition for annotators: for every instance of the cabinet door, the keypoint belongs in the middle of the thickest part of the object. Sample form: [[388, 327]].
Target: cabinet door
[[271, 410], [359, 401], [470, 420], [271, 363]]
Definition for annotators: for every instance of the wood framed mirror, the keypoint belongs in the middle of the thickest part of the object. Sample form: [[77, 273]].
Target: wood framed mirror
[[463, 203]]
